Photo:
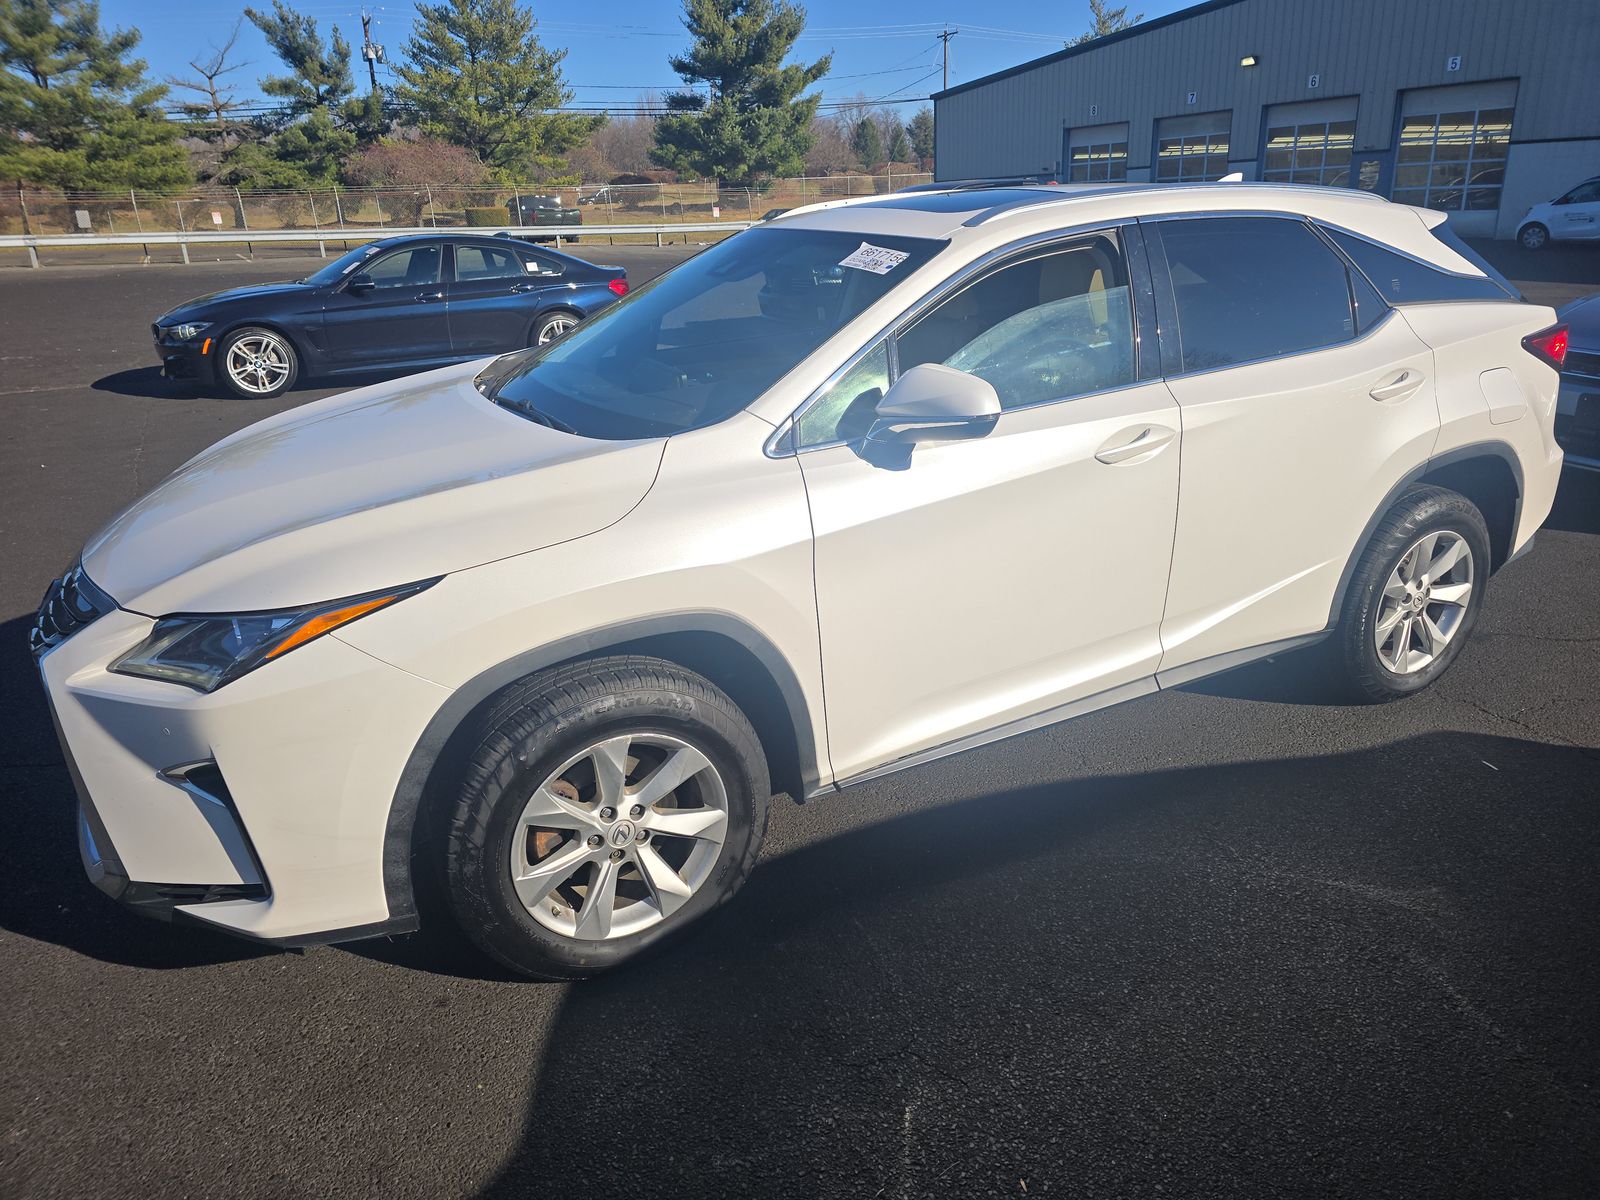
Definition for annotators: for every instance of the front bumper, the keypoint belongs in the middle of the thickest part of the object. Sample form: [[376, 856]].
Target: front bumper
[[187, 360], [259, 809]]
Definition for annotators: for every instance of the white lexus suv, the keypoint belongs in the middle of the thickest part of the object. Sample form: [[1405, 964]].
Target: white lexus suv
[[871, 483]]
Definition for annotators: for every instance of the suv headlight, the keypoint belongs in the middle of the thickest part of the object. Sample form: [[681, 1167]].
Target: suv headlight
[[186, 332], [205, 651]]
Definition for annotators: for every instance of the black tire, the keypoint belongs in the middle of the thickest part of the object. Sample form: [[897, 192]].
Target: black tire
[[282, 346], [1533, 236], [535, 727], [547, 320], [1363, 675]]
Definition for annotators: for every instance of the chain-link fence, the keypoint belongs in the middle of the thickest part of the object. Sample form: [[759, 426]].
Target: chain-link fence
[[41, 211]]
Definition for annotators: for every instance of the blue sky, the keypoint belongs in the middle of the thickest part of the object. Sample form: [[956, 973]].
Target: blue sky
[[883, 48]]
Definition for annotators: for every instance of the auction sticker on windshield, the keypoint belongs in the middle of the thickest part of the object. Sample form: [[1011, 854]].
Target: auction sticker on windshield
[[880, 260]]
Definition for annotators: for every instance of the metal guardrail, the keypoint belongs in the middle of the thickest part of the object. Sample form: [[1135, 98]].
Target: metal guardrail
[[184, 239]]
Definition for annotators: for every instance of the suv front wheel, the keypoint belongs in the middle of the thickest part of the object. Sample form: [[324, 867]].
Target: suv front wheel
[[607, 806], [1415, 595]]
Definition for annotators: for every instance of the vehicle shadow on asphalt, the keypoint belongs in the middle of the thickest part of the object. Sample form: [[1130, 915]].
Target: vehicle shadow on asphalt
[[1274, 974], [148, 383], [45, 894]]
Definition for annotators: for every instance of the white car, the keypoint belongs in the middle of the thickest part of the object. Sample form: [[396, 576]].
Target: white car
[[1572, 217], [872, 483]]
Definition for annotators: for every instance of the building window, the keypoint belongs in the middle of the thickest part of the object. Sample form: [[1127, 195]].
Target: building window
[[1452, 161], [1312, 153], [1101, 162], [1190, 150]]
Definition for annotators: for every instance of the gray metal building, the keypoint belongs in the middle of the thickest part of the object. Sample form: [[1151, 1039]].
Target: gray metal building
[[1476, 107]]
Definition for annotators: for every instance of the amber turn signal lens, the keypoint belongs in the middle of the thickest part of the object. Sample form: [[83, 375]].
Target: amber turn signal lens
[[320, 625]]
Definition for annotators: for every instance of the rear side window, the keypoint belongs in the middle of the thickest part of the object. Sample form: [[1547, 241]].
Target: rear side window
[[1251, 288], [1404, 280]]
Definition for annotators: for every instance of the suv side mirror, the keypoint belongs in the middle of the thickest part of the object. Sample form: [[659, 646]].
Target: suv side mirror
[[934, 403], [360, 284]]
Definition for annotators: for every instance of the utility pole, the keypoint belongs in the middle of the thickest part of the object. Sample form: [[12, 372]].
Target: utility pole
[[370, 50], [945, 38]]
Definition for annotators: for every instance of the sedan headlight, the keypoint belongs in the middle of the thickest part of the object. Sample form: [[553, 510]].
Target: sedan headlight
[[186, 332], [206, 651]]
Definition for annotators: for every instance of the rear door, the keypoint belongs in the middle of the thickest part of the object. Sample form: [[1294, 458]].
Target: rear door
[[1304, 401], [401, 320], [493, 298]]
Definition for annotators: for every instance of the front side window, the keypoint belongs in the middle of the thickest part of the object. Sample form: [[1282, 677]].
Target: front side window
[[416, 266], [1251, 288], [704, 340], [474, 263], [1452, 161], [1584, 193], [1047, 328]]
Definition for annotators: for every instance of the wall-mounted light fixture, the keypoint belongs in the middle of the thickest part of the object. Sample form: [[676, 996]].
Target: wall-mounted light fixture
[[1249, 60]]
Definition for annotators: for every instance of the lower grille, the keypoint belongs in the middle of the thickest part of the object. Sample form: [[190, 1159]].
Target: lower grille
[[69, 604]]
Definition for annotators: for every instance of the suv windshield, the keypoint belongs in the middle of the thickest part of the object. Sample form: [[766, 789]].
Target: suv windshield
[[701, 342]]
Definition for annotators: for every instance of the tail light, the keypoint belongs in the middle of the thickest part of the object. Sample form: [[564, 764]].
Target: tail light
[[1548, 345], [619, 285]]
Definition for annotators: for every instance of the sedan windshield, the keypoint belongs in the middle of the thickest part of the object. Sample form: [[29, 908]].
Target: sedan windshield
[[341, 266], [703, 341]]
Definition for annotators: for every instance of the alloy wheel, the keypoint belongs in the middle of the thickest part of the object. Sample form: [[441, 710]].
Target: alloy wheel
[[619, 837], [1424, 602], [554, 329], [258, 363]]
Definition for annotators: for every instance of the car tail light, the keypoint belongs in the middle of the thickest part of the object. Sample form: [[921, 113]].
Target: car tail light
[[620, 287], [1548, 345]]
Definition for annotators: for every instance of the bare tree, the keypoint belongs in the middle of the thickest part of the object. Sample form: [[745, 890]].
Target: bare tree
[[213, 112]]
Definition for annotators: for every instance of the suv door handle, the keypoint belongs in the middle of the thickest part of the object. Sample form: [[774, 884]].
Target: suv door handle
[[1146, 440], [427, 296], [1398, 388]]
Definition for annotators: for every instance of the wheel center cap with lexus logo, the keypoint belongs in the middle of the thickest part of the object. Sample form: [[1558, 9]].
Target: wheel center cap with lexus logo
[[622, 833]]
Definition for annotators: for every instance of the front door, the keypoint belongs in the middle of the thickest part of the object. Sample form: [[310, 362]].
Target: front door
[[401, 321], [993, 580], [1576, 215]]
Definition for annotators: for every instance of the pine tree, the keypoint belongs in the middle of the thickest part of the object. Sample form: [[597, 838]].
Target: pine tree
[[866, 143], [921, 132], [478, 76], [899, 149], [1103, 20], [319, 71], [76, 112], [752, 122]]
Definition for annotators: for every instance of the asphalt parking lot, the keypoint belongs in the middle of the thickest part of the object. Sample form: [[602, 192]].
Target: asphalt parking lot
[[1219, 942]]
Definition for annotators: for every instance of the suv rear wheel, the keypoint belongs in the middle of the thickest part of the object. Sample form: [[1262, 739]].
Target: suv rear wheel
[[607, 806], [1415, 595]]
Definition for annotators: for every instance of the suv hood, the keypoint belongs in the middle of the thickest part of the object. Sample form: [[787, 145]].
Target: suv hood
[[375, 488]]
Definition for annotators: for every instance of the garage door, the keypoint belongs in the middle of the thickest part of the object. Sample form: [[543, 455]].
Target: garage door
[[1310, 143], [1451, 152], [1097, 153], [1192, 148]]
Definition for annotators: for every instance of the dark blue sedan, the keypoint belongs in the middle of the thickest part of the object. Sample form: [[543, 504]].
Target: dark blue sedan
[[402, 304]]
